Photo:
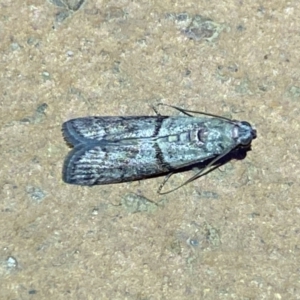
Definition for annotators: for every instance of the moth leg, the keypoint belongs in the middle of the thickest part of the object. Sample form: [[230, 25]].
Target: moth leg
[[177, 108], [214, 164], [155, 110], [199, 174], [167, 177]]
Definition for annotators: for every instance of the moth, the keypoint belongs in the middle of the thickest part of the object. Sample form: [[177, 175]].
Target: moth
[[120, 149]]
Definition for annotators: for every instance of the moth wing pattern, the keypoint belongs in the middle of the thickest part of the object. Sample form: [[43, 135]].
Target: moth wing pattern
[[92, 129], [105, 164]]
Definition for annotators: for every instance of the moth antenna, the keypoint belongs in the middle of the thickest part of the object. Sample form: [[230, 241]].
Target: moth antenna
[[187, 111]]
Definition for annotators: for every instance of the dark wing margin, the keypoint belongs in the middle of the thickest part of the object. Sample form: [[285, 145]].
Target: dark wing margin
[[80, 131], [69, 168]]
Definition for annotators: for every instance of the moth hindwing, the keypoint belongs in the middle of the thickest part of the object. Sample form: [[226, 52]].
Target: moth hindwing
[[120, 149]]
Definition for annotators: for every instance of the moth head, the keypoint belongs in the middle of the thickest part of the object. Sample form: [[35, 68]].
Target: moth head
[[244, 133]]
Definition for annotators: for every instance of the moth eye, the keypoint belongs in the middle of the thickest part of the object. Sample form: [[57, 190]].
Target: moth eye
[[246, 140], [246, 124]]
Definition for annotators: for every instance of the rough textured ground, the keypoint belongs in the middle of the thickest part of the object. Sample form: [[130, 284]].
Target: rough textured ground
[[233, 234]]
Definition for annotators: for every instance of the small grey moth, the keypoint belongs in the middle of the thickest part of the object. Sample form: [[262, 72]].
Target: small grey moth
[[120, 149]]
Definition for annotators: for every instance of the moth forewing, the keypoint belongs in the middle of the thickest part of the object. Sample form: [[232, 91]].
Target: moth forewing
[[121, 149]]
